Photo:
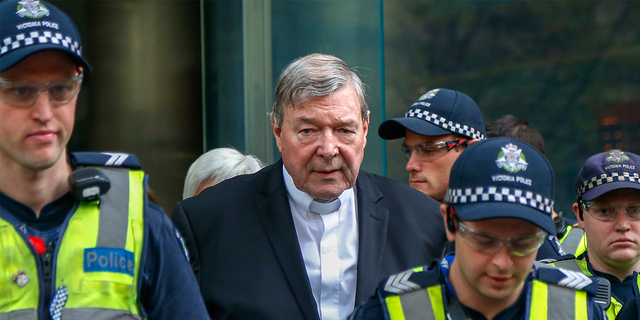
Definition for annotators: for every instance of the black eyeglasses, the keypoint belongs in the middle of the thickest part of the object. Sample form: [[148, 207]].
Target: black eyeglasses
[[433, 150], [25, 93]]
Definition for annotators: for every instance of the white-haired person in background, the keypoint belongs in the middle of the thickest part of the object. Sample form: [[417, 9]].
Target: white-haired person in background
[[215, 166]]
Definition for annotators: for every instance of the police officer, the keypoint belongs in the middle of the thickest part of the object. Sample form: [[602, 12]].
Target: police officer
[[79, 239], [498, 211], [608, 210]]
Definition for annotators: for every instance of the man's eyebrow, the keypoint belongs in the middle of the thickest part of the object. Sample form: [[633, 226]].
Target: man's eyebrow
[[347, 122]]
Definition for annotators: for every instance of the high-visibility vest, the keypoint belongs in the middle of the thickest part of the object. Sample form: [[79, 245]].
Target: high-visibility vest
[[97, 260], [581, 266], [574, 241], [544, 301]]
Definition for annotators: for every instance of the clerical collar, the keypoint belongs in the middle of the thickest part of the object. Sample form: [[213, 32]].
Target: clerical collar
[[304, 200]]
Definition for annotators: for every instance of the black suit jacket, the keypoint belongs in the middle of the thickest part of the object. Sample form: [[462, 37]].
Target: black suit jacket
[[245, 254]]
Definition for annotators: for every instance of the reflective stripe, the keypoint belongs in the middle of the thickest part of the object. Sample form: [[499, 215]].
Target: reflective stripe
[[582, 311], [436, 295], [394, 308], [97, 314], [417, 305], [559, 300], [573, 265], [538, 306], [19, 315], [572, 239], [114, 210]]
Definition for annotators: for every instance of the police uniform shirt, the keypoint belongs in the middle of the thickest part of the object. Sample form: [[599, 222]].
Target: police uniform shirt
[[372, 309], [623, 291]]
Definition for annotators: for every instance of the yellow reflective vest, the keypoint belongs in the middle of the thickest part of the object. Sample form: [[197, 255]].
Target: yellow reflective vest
[[96, 266], [581, 266], [574, 241], [544, 300]]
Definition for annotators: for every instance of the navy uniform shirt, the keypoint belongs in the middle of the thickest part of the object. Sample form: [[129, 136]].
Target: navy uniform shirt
[[372, 309], [168, 289]]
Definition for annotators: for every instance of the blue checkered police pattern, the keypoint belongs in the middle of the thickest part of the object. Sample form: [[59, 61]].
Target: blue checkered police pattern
[[607, 178], [502, 194], [35, 37], [58, 302], [444, 123]]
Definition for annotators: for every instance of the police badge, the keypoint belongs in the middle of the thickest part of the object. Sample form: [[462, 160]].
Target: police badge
[[32, 9], [512, 159], [21, 279], [617, 156]]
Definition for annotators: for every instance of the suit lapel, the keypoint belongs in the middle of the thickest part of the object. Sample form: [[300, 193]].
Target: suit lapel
[[275, 213], [373, 221]]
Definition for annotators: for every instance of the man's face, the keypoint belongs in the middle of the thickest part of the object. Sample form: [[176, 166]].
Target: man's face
[[615, 244], [34, 137], [322, 143], [430, 177], [494, 279]]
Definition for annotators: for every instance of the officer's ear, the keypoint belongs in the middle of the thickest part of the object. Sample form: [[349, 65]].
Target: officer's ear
[[579, 215], [449, 223]]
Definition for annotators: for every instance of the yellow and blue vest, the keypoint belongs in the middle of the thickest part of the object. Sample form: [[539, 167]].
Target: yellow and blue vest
[[419, 294], [581, 266], [96, 266], [574, 241]]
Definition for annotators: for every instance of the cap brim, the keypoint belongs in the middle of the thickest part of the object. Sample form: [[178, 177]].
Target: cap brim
[[490, 210], [602, 189], [10, 59], [396, 128]]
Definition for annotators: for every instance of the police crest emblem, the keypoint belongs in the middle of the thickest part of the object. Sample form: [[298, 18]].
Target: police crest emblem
[[512, 159], [32, 9], [429, 95], [21, 279], [617, 156]]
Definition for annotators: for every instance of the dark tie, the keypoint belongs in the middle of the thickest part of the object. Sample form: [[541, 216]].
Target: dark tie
[[322, 206]]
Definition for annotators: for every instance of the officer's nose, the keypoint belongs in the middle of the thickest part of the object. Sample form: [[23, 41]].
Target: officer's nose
[[42, 109], [502, 259]]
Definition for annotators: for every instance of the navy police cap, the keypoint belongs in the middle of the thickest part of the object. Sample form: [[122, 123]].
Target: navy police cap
[[30, 26], [502, 178], [608, 171], [438, 112]]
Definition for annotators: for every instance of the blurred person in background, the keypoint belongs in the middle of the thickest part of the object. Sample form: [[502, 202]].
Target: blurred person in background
[[215, 166]]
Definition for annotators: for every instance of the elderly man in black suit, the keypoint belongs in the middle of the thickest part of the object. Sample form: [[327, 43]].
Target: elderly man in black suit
[[310, 236]]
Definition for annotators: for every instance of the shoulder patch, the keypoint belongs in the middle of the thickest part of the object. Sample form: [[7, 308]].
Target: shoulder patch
[[408, 281], [568, 279], [105, 159]]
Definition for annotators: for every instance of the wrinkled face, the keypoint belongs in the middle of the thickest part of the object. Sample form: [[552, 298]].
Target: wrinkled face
[[491, 278], [614, 244], [430, 177], [322, 143], [35, 137]]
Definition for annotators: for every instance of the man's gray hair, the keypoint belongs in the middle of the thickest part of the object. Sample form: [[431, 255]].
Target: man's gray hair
[[218, 165], [314, 75]]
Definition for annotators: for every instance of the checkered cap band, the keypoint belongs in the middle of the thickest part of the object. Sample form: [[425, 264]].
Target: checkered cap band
[[499, 194], [35, 37], [442, 122], [607, 178]]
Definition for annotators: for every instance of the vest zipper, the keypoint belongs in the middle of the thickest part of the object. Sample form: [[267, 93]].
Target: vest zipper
[[47, 261]]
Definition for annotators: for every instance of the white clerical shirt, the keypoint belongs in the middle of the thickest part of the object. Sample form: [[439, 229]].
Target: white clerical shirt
[[329, 245]]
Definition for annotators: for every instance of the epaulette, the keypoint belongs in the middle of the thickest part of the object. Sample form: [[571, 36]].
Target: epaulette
[[408, 281], [568, 279], [104, 159]]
